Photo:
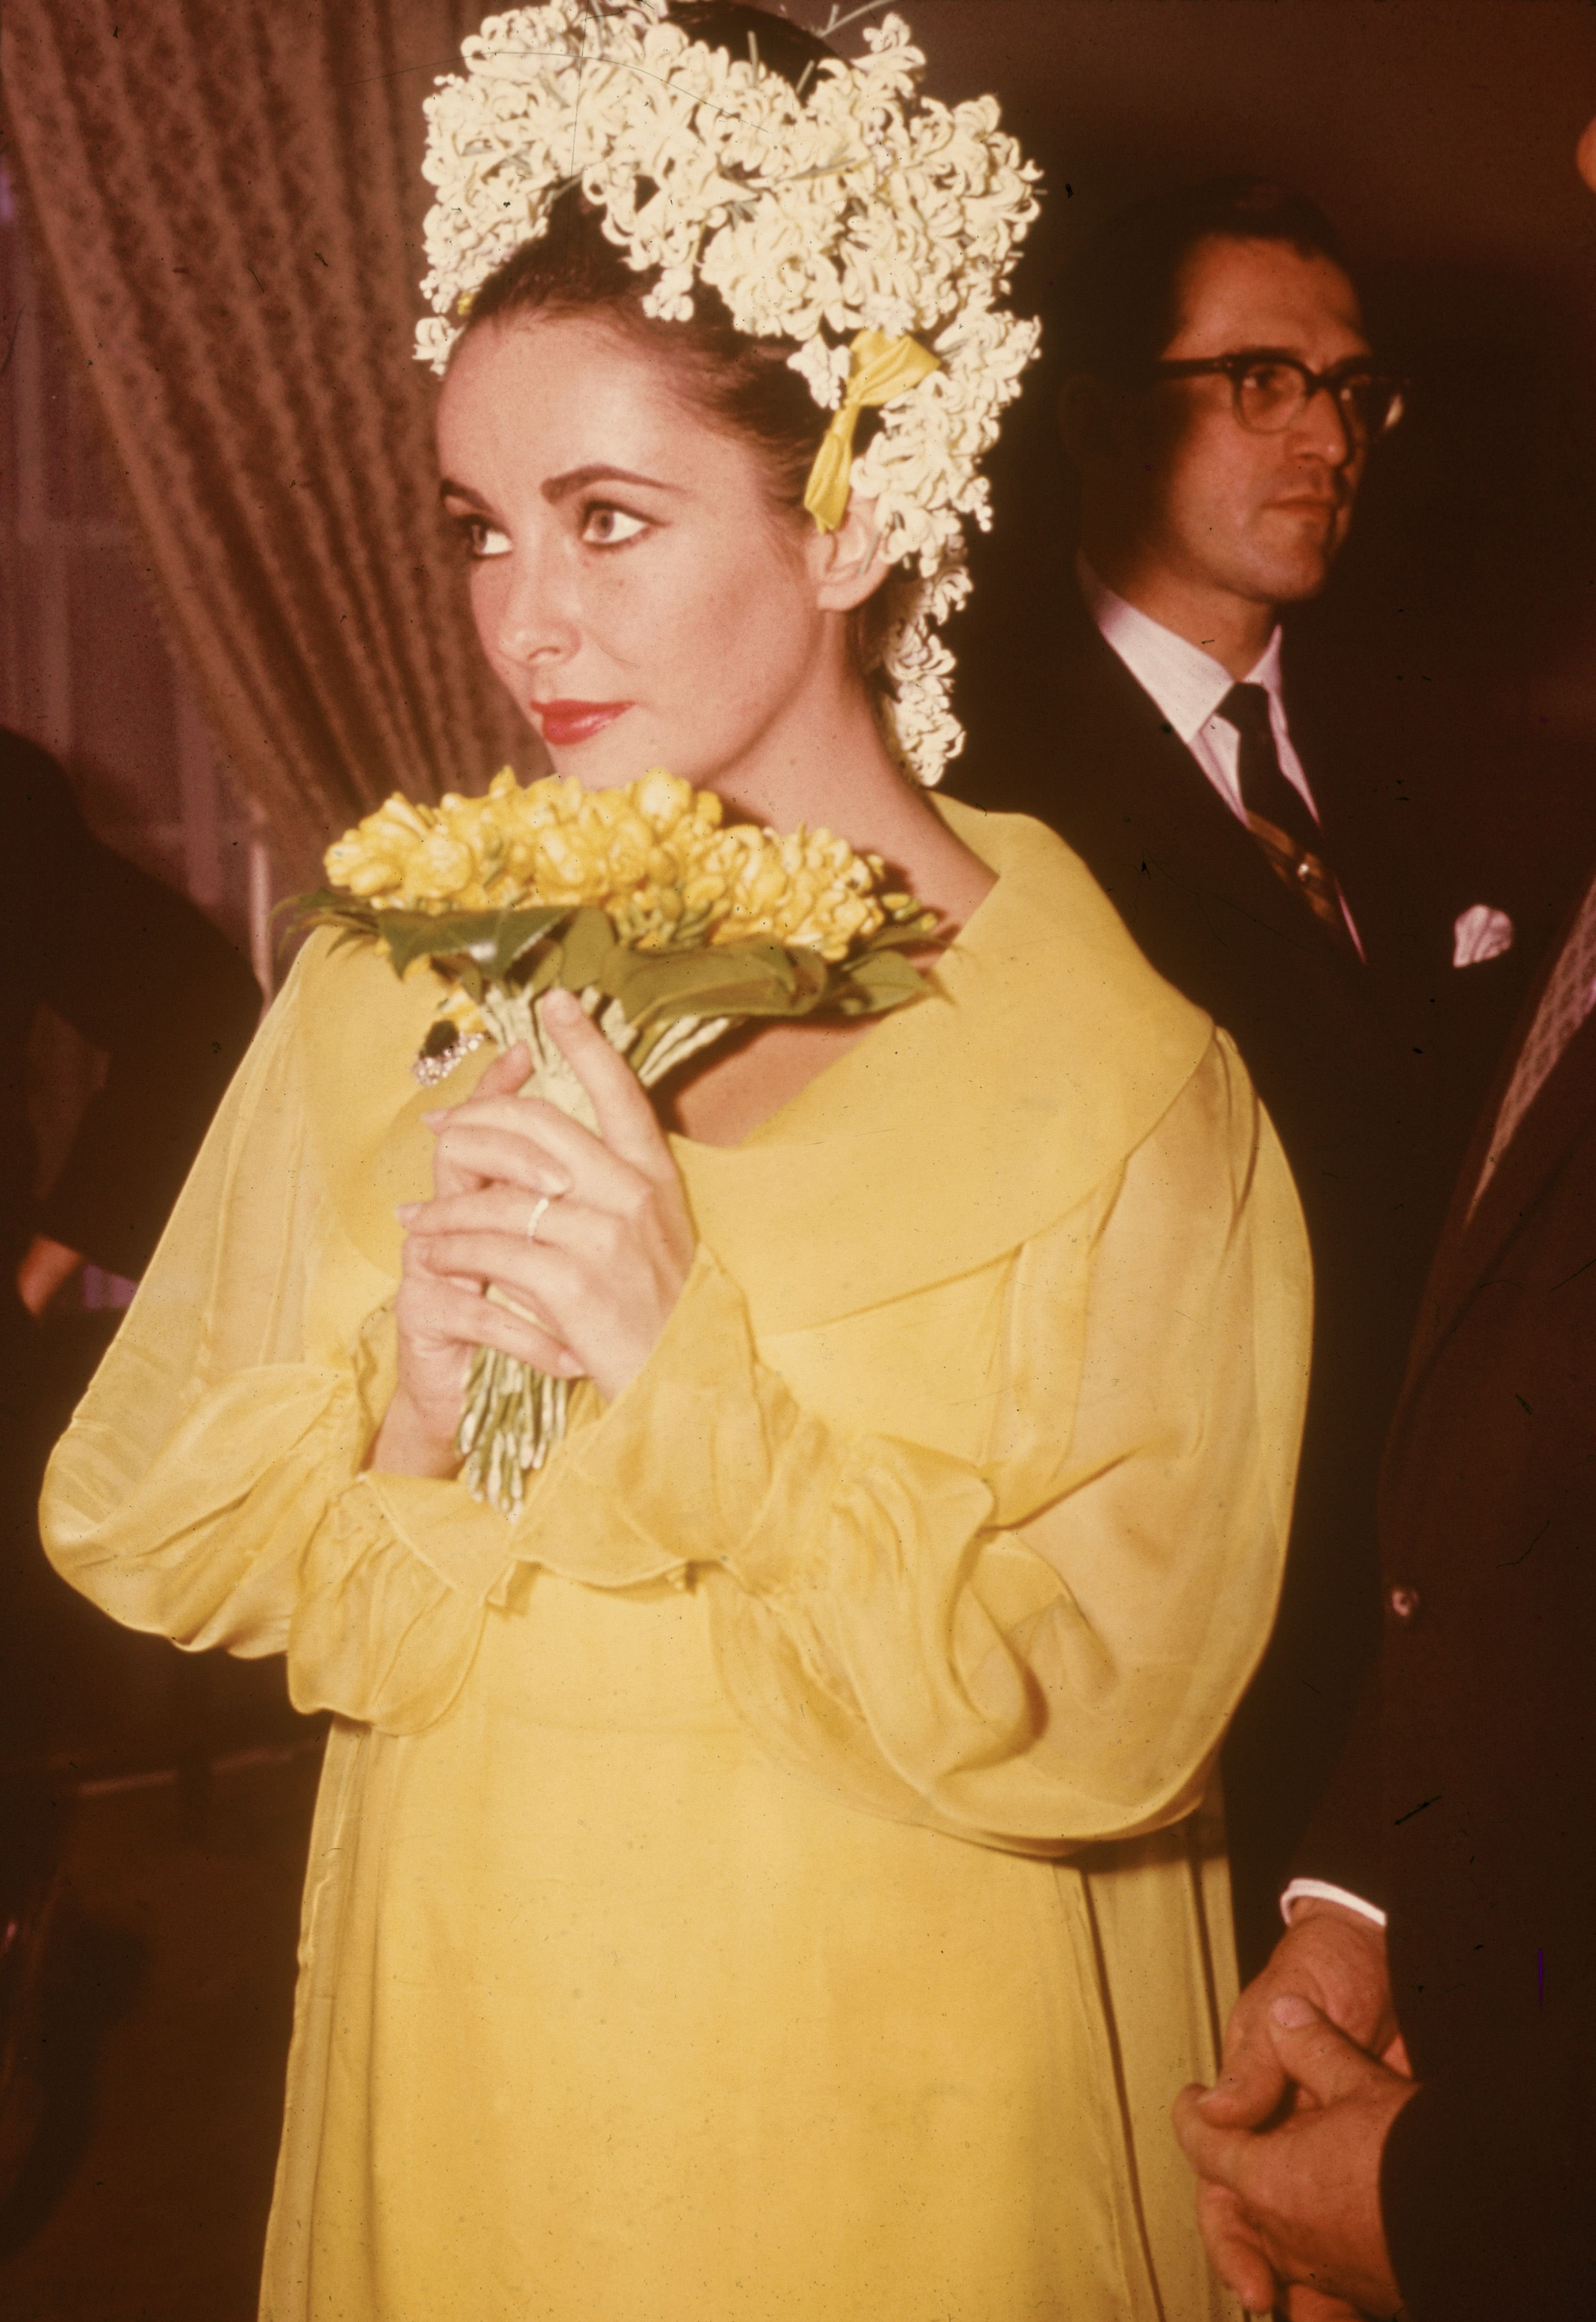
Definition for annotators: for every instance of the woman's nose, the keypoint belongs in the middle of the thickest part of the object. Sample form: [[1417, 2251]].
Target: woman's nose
[[532, 617]]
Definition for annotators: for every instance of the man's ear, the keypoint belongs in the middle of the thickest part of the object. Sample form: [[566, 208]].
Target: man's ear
[[1584, 159], [1093, 422], [848, 564]]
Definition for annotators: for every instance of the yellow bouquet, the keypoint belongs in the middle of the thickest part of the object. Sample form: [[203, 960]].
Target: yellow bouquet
[[672, 925]]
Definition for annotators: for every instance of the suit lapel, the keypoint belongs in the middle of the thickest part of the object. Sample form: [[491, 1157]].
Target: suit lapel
[[1189, 831]]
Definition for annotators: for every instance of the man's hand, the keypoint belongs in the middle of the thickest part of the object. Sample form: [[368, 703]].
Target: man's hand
[[1331, 1956], [1299, 2203], [1335, 1958]]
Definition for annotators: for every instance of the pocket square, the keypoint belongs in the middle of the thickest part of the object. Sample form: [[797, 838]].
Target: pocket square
[[1479, 933]]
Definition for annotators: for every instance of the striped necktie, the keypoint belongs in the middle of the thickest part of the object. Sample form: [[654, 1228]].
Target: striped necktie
[[1564, 1005], [1277, 815]]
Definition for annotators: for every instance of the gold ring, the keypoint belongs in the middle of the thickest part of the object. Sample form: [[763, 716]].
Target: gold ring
[[543, 1202]]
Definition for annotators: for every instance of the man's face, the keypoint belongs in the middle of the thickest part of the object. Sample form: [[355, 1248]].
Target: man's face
[[1261, 517]]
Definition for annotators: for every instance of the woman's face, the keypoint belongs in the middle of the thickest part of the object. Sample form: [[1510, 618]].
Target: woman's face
[[632, 586]]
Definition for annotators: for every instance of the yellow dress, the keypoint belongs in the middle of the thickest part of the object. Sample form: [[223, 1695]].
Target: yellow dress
[[774, 1879]]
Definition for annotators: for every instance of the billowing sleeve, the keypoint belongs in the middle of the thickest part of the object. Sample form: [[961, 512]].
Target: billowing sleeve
[[1033, 1639], [209, 1488], [1041, 1647]]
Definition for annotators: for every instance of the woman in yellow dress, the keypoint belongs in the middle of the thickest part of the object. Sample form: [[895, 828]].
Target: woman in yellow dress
[[777, 1874]]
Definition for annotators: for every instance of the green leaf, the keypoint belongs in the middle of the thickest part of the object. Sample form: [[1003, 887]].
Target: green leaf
[[809, 985], [734, 979], [654, 988], [586, 949], [878, 981], [406, 936], [491, 941], [543, 972], [517, 932], [326, 907]]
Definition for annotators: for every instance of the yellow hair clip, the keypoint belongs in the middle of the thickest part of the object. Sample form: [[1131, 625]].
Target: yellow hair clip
[[881, 369]]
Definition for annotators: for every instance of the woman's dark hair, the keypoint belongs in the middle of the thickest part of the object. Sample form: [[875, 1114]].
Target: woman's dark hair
[[1118, 310], [744, 385]]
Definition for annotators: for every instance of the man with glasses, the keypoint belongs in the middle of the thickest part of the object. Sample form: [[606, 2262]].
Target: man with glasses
[[1405, 2121], [1221, 405]]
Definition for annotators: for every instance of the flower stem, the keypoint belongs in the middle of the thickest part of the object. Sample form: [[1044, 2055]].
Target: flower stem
[[513, 1416]]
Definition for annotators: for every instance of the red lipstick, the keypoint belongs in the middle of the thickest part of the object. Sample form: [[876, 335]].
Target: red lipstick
[[565, 723]]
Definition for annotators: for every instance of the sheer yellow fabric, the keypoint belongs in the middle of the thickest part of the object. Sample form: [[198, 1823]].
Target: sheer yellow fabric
[[644, 1972]]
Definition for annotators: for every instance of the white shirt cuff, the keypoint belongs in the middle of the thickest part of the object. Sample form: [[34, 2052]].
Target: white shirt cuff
[[1302, 1890]]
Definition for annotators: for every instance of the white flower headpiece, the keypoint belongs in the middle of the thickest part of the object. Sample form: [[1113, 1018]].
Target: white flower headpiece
[[855, 209]]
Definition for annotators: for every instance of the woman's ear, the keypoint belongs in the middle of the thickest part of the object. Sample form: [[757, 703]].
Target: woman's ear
[[847, 564]]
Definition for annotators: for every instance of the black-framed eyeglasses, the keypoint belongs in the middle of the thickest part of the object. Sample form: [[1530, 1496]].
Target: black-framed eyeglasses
[[1270, 390]]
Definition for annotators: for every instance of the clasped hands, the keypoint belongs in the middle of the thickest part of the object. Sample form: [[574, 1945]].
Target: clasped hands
[[1287, 2146], [591, 1292]]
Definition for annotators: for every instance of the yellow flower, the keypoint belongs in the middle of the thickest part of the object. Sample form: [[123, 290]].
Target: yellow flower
[[661, 799], [655, 856], [372, 859], [440, 869]]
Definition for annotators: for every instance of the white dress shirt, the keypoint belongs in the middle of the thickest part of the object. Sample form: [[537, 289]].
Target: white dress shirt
[[1189, 685], [1303, 1890]]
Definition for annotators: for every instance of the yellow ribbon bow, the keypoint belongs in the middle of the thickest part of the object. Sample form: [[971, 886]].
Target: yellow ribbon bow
[[882, 369]]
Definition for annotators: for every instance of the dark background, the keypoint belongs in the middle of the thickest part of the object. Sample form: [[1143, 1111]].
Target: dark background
[[1439, 134]]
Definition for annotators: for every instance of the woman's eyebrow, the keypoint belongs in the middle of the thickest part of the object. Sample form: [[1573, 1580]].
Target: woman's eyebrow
[[576, 480], [560, 488]]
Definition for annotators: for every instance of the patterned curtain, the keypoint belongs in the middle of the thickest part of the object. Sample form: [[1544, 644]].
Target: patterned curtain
[[229, 195]]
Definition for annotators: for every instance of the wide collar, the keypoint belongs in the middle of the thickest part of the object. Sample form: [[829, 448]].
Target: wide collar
[[955, 1129], [961, 1125]]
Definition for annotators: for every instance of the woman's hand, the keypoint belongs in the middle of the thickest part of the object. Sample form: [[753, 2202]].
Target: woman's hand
[[595, 1287]]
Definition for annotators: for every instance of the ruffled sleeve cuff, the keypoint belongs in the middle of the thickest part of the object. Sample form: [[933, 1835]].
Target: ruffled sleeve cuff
[[395, 1587], [466, 1545], [683, 1468], [388, 1616], [679, 1469]]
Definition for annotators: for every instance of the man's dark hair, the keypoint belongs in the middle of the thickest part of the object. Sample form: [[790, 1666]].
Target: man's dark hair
[[1117, 308]]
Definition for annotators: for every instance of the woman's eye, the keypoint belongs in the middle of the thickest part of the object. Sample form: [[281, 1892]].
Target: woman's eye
[[611, 527], [484, 539]]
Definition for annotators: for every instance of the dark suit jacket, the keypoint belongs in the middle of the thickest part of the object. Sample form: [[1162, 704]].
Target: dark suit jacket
[[141, 973], [1347, 1060], [1466, 1803]]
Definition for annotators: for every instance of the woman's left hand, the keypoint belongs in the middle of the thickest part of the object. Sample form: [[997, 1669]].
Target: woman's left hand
[[606, 1263]]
